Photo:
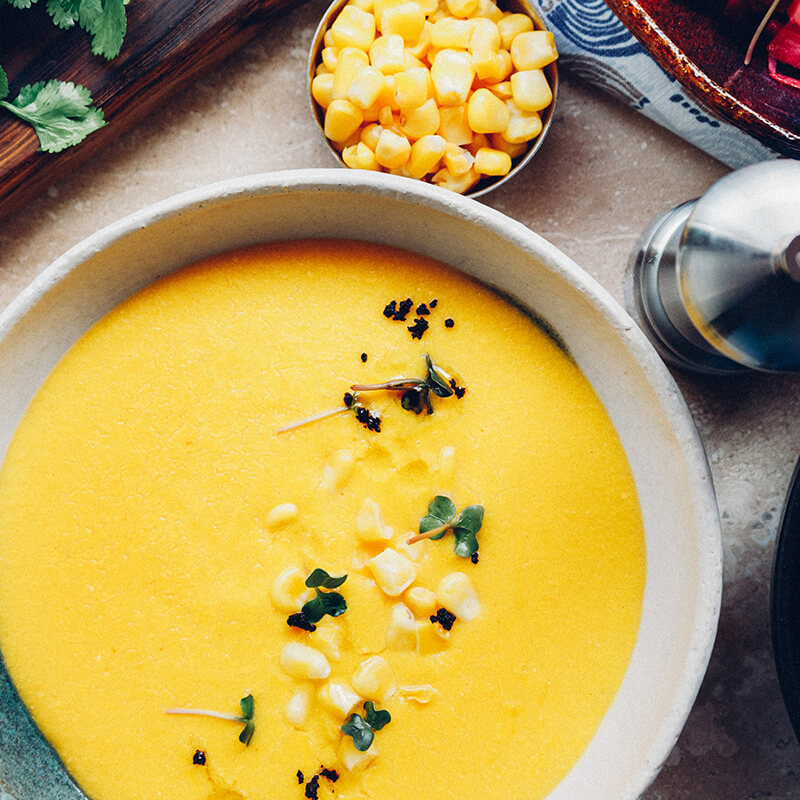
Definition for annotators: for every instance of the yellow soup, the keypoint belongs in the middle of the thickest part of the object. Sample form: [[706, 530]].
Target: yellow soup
[[156, 532]]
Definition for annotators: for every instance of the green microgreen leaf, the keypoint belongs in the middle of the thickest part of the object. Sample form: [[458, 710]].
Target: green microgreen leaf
[[376, 719], [320, 578], [247, 706], [61, 113], [441, 511], [330, 603], [361, 732], [441, 518], [438, 383]]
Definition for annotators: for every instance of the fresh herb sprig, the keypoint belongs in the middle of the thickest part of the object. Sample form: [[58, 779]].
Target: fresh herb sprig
[[61, 112], [362, 729], [331, 603], [247, 706], [442, 517], [415, 395]]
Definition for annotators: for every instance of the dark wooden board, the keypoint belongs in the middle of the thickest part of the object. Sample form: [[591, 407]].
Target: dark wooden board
[[168, 44]]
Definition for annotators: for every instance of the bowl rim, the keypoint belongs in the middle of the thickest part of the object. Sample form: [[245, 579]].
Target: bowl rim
[[654, 372]]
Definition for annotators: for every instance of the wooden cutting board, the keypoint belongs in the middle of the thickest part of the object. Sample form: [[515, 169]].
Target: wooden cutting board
[[168, 44]]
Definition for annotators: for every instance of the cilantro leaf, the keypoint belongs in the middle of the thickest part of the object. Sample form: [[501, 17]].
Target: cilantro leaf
[[61, 113], [3, 83], [319, 577], [64, 13], [21, 3], [361, 732], [105, 20]]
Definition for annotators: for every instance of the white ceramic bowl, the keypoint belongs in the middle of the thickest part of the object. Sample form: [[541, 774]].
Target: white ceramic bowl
[[682, 595]]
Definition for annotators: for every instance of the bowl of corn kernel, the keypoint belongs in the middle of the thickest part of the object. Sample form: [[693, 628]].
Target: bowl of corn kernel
[[458, 93]]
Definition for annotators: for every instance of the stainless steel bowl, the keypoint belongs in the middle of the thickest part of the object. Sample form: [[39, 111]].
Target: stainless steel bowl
[[486, 184]]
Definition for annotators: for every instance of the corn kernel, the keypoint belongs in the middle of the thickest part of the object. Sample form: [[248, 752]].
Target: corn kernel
[[342, 120], [371, 113], [524, 125], [388, 121], [322, 70], [387, 97], [393, 572], [489, 161], [364, 5], [457, 160], [478, 140], [486, 113], [452, 74], [298, 709], [420, 693], [304, 662], [322, 88], [289, 591], [370, 135], [339, 467], [353, 28], [365, 87], [359, 156], [330, 56], [511, 25], [423, 44], [370, 526], [350, 141], [456, 593], [450, 33], [533, 50], [393, 150], [429, 6], [373, 678], [492, 67], [327, 39], [421, 601], [432, 638], [421, 121], [411, 88], [380, 6], [485, 35], [348, 65], [337, 698], [426, 153], [502, 90], [354, 760], [447, 465], [281, 515], [386, 53], [454, 126], [327, 639], [401, 634], [462, 8], [456, 183], [515, 150], [406, 20], [488, 9], [531, 90]]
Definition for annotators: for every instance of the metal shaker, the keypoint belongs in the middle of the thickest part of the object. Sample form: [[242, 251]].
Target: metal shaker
[[715, 282]]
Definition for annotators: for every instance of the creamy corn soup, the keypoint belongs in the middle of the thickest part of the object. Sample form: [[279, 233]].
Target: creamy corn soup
[[178, 480]]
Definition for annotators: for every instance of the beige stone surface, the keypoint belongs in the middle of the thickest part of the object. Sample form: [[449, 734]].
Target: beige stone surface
[[602, 176]]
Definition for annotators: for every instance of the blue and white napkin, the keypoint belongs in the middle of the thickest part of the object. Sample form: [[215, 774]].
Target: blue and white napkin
[[598, 49]]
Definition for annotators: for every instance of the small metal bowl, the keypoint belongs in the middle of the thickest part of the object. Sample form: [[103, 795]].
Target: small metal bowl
[[486, 184]]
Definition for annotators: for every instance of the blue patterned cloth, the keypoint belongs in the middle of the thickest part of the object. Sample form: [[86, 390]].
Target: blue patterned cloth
[[598, 49]]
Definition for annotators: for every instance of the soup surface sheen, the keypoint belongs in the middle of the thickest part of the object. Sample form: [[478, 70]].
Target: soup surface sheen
[[146, 530]]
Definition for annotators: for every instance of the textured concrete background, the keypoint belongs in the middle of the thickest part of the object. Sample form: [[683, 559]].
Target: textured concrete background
[[602, 176]]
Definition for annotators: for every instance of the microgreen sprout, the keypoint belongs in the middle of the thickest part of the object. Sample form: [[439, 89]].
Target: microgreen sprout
[[362, 729], [247, 706], [327, 602], [442, 517]]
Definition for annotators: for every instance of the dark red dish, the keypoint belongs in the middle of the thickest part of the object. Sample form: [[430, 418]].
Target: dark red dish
[[703, 47]]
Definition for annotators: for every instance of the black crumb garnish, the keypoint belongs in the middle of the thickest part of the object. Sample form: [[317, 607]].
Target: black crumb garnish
[[312, 787], [433, 303], [444, 617], [449, 322], [300, 777], [458, 391], [364, 358], [199, 758], [390, 309], [418, 328], [403, 307], [423, 310], [474, 557], [300, 620], [369, 419], [348, 399], [331, 774]]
